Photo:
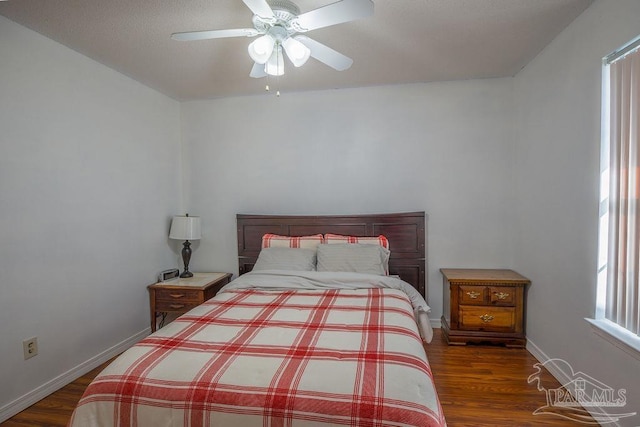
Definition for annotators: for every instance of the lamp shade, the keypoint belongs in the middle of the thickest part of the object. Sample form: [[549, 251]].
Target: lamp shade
[[260, 49], [185, 228], [297, 52]]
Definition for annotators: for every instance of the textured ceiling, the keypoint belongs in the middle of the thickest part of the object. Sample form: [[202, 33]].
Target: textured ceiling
[[406, 41]]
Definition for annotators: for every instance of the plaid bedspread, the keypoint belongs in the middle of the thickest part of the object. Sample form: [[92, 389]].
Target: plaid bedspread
[[273, 358]]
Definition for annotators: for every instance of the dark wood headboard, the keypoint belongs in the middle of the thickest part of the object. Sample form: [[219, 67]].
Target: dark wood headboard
[[405, 231]]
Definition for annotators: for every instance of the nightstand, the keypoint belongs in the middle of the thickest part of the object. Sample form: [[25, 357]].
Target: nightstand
[[181, 295], [483, 306]]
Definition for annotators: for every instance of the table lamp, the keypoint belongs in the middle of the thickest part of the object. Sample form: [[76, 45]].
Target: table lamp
[[185, 228]]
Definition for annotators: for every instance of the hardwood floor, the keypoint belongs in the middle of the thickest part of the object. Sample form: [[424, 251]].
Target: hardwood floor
[[55, 409], [485, 385], [478, 386]]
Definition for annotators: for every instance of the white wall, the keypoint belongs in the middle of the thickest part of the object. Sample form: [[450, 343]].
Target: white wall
[[445, 148], [557, 164], [88, 182]]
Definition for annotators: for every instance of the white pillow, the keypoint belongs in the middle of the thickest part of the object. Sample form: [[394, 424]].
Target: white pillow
[[353, 257], [295, 259]]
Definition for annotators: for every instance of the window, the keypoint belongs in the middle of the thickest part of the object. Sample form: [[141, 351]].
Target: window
[[618, 294]]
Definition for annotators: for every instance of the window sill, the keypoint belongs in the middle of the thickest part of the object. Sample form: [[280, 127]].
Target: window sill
[[617, 335]]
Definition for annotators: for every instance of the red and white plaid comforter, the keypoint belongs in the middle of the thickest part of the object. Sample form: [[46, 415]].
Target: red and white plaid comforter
[[274, 358]]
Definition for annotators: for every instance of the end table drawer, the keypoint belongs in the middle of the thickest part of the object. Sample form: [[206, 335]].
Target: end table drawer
[[175, 305], [487, 318], [472, 295], [177, 295], [502, 295]]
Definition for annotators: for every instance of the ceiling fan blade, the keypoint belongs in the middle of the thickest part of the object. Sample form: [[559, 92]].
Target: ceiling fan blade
[[335, 13], [215, 34], [257, 71], [260, 8], [325, 54]]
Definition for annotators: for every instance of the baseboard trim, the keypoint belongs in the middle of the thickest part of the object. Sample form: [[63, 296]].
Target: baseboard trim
[[435, 323], [551, 366], [562, 377], [23, 402]]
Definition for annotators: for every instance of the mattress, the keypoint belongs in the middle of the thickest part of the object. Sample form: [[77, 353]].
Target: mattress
[[277, 349]]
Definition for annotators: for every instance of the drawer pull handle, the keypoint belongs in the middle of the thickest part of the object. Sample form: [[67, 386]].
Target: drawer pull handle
[[501, 295], [176, 306], [486, 318], [473, 295], [176, 296]]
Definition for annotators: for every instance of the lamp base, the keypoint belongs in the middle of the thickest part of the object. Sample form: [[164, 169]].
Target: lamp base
[[186, 257]]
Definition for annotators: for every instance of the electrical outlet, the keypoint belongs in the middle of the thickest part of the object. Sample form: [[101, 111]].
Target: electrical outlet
[[30, 347]]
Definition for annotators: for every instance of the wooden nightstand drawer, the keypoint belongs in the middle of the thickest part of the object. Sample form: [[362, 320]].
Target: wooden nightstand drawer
[[502, 295], [472, 295], [174, 295], [478, 318], [175, 305]]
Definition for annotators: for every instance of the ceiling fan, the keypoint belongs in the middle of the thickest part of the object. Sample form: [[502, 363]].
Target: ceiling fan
[[279, 24]]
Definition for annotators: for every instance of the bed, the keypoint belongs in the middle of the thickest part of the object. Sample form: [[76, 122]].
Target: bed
[[323, 329]]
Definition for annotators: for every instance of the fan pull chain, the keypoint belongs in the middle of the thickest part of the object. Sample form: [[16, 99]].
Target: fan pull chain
[[268, 89], [278, 77]]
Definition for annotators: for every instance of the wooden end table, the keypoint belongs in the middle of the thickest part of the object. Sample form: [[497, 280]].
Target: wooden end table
[[181, 295], [484, 306]]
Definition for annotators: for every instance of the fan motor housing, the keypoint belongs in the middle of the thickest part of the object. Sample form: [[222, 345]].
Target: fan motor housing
[[284, 6], [284, 11]]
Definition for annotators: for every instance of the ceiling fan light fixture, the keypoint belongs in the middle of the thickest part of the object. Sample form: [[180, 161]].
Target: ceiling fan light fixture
[[277, 24], [297, 52], [275, 64], [261, 49]]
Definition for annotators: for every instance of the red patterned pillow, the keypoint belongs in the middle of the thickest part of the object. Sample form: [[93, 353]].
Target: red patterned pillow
[[338, 238], [277, 241]]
